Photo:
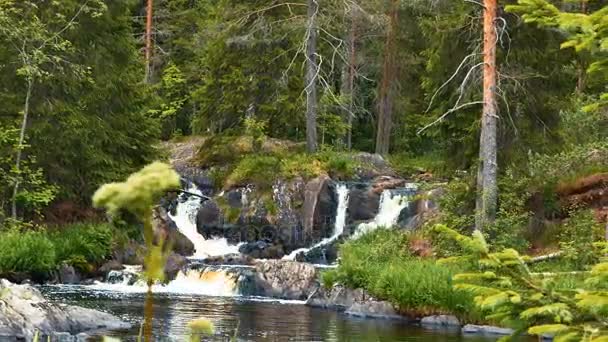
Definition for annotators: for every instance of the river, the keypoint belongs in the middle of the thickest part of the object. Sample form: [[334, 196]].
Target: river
[[251, 319]]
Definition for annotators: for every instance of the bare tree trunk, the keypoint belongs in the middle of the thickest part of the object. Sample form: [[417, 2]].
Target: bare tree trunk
[[385, 103], [26, 111], [149, 18], [348, 79], [311, 77], [488, 193]]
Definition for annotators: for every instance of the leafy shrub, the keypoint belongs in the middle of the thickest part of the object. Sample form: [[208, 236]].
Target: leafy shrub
[[381, 263], [257, 169], [26, 251], [577, 238], [83, 241], [508, 293]]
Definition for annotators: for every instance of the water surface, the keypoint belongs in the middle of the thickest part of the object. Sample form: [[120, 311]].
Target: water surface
[[252, 319]]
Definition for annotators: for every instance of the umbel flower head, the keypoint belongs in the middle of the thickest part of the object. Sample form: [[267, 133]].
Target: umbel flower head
[[141, 191]]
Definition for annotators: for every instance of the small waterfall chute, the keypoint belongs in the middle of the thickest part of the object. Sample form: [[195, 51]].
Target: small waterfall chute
[[185, 220], [392, 202], [340, 223]]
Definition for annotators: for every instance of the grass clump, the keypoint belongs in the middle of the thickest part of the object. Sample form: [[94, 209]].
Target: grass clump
[[26, 252], [83, 244], [381, 263]]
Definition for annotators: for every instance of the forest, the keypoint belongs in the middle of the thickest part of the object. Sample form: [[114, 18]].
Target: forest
[[498, 106]]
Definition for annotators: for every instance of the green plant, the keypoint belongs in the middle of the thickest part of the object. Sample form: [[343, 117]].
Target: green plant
[[579, 234], [508, 293], [26, 251], [138, 195], [91, 242], [381, 263]]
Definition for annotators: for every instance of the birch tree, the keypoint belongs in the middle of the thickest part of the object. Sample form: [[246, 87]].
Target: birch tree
[[42, 51]]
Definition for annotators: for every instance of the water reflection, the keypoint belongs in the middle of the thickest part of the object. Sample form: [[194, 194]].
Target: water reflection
[[256, 319]]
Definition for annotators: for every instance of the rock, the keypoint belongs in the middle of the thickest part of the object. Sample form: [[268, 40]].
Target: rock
[[363, 203], [229, 259], [285, 279], [372, 165], [486, 330], [320, 205], [262, 250], [337, 298], [67, 274], [174, 264], [373, 309], [440, 320], [25, 311], [386, 182], [165, 228], [112, 265]]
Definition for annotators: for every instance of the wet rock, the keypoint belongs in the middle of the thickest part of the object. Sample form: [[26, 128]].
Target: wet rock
[[338, 297], [440, 320], [285, 279], [386, 182], [67, 274], [262, 250], [174, 264], [486, 330], [373, 309], [363, 203], [25, 311], [166, 229], [112, 265], [230, 259], [320, 205]]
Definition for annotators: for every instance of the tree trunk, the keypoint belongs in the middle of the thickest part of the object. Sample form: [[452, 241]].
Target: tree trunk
[[148, 52], [385, 103], [311, 77], [488, 193], [348, 79], [26, 111]]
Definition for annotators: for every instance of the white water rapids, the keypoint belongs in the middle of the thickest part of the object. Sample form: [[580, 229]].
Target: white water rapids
[[185, 219]]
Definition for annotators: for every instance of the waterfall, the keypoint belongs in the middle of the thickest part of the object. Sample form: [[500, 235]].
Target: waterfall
[[340, 223], [391, 204], [185, 219], [219, 281]]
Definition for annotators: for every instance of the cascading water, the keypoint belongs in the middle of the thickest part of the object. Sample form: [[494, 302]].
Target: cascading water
[[185, 219], [342, 191], [391, 205]]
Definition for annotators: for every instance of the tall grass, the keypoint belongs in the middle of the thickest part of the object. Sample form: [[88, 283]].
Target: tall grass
[[381, 263]]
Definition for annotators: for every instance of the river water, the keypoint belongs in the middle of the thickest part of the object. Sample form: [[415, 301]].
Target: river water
[[250, 319]]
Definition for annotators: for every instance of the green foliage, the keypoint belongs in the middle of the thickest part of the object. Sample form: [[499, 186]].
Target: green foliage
[[90, 243], [26, 251], [509, 293], [578, 237], [381, 263], [173, 95], [138, 195]]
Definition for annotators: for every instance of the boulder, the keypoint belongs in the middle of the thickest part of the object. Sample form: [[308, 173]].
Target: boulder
[[338, 297], [486, 330], [285, 279], [174, 264], [165, 228], [373, 309], [441, 320], [320, 205], [67, 274], [112, 265], [25, 311], [363, 204], [229, 259]]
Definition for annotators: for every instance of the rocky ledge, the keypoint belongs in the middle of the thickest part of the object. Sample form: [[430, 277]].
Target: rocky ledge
[[24, 311]]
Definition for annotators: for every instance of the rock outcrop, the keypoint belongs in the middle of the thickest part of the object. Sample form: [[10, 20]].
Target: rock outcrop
[[23, 311], [352, 302], [285, 279]]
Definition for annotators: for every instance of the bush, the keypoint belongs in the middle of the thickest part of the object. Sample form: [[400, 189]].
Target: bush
[[381, 263], [91, 242], [26, 251]]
